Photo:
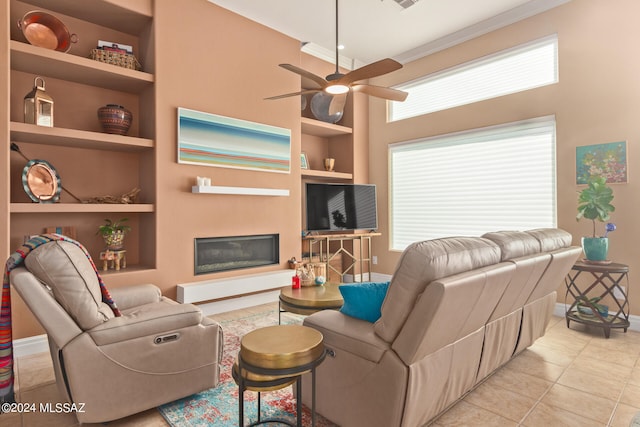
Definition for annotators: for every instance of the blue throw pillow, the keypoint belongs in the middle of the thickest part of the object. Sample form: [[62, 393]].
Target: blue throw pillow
[[363, 300]]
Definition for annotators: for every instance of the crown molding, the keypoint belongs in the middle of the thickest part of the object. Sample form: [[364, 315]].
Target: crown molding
[[330, 56], [509, 17]]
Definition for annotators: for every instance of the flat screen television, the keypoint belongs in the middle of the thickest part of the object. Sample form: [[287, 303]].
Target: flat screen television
[[334, 207]]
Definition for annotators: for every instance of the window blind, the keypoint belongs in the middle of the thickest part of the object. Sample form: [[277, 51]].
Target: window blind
[[497, 178], [524, 67]]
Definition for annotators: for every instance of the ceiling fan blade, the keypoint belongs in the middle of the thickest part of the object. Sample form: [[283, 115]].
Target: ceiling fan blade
[[306, 74], [374, 69], [287, 95], [337, 104], [381, 92]]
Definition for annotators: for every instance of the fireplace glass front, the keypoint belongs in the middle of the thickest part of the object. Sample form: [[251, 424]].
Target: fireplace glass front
[[213, 254]]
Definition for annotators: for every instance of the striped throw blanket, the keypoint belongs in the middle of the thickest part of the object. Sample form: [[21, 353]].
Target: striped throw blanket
[[6, 344]]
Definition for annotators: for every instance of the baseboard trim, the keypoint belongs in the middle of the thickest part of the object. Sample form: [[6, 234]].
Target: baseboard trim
[[30, 345], [238, 303], [634, 321]]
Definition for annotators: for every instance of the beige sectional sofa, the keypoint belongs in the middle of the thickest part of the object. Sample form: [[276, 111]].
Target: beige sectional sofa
[[456, 310]]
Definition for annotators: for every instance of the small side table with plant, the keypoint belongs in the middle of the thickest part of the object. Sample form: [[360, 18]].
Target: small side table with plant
[[603, 301]]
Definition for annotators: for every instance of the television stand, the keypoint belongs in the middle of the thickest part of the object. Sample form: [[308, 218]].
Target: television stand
[[360, 259]]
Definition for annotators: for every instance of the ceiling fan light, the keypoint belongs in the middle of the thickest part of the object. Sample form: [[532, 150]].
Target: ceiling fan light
[[336, 89]]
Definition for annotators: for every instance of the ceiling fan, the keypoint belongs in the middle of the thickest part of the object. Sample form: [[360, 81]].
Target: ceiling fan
[[339, 84]]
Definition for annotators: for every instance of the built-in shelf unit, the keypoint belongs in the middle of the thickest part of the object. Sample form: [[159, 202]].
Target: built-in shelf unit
[[319, 140], [89, 161]]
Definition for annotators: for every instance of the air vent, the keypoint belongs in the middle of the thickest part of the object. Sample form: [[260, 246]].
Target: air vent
[[406, 3]]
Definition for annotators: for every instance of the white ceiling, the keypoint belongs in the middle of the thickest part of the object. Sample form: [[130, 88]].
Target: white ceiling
[[374, 29]]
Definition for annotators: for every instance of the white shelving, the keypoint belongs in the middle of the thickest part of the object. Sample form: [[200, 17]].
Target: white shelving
[[245, 191]]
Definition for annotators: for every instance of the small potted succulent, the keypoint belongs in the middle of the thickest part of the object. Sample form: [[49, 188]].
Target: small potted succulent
[[113, 233], [594, 203]]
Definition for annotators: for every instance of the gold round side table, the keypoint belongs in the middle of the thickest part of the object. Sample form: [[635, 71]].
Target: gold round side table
[[309, 299], [274, 357]]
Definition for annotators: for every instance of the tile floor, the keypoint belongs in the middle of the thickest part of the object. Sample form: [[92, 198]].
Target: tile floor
[[567, 378]]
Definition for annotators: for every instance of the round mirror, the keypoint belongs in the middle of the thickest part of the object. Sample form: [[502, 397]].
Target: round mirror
[[41, 181]]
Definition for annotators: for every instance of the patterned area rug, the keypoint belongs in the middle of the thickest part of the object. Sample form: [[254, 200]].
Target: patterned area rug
[[219, 406]]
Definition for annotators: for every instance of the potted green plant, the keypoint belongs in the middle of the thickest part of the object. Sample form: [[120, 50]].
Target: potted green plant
[[113, 233], [594, 203]]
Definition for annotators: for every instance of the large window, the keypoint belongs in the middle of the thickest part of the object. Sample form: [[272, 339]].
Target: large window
[[469, 183], [524, 67]]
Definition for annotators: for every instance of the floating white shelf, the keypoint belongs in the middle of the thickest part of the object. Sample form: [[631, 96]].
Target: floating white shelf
[[246, 191]]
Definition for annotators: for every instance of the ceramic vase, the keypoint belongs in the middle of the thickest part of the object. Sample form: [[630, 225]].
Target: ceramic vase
[[595, 248], [115, 119], [329, 163], [320, 104]]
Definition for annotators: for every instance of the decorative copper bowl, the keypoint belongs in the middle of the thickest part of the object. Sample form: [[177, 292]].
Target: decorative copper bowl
[[45, 30], [115, 119]]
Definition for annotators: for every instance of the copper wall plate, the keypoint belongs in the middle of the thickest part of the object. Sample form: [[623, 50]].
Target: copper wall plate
[[45, 30], [41, 181]]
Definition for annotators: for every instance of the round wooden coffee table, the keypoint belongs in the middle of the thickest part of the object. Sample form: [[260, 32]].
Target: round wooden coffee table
[[310, 299], [274, 357]]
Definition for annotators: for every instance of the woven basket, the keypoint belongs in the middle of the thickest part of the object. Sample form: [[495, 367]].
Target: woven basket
[[124, 60], [308, 282]]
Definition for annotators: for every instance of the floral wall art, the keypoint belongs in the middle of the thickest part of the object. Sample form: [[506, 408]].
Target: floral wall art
[[608, 160]]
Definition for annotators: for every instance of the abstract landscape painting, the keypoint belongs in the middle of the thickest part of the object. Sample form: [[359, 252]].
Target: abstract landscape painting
[[212, 140]]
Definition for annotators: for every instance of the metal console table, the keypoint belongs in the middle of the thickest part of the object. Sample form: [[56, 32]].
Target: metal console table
[[607, 281], [323, 242]]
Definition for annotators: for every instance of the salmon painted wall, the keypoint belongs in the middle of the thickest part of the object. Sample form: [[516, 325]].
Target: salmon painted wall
[[597, 100], [211, 60]]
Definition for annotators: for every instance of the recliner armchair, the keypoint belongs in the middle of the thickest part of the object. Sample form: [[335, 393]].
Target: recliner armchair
[[156, 352]]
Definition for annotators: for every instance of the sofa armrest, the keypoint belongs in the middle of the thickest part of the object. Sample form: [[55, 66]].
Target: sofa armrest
[[147, 320], [133, 296], [349, 334]]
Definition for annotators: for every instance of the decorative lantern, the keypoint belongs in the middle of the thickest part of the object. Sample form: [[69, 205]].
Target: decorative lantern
[[38, 106]]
